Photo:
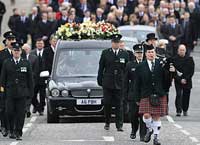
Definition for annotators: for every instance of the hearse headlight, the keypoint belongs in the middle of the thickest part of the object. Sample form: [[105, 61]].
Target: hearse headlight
[[64, 93], [55, 92]]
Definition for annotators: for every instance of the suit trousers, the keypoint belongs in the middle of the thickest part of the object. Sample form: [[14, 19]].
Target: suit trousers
[[182, 98], [136, 119], [3, 118], [15, 111], [113, 97], [39, 105]]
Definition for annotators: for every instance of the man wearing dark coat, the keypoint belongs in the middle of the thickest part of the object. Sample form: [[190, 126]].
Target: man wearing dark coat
[[38, 105], [135, 118], [17, 81], [111, 77], [183, 80], [148, 84]]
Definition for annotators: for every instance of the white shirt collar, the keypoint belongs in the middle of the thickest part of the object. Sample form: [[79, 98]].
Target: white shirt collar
[[16, 59], [115, 50], [10, 51], [150, 64], [53, 48], [40, 51]]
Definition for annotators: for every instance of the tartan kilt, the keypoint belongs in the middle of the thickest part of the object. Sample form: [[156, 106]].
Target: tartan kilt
[[146, 107]]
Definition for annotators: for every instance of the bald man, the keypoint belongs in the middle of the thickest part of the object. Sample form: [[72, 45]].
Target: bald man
[[183, 80]]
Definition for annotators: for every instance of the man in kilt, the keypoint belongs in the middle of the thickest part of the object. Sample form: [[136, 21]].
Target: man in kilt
[[149, 82]]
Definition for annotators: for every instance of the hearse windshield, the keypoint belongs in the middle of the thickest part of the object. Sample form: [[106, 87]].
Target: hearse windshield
[[77, 62]]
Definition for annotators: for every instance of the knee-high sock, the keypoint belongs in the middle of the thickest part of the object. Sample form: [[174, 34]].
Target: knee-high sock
[[156, 125], [148, 123]]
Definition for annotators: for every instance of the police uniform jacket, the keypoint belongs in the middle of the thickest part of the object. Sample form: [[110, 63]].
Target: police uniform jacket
[[184, 65], [148, 82], [130, 79], [112, 68], [17, 78]]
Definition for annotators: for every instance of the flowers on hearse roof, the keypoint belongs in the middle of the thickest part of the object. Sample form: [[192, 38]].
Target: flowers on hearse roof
[[86, 30]]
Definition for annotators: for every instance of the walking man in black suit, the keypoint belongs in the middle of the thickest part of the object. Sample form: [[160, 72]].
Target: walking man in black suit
[[39, 81], [2, 12], [111, 77], [135, 117], [149, 87], [16, 78], [183, 80], [34, 65]]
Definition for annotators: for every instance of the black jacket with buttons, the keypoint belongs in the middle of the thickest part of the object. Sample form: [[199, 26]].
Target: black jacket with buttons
[[112, 68], [148, 82], [17, 79]]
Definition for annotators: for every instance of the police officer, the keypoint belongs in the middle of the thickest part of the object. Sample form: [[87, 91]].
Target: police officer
[[17, 81], [111, 77], [4, 54], [135, 118]]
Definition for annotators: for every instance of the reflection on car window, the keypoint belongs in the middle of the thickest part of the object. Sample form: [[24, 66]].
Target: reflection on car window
[[77, 62]]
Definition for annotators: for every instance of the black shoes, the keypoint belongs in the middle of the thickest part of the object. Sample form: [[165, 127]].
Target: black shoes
[[185, 114], [178, 114], [147, 137], [12, 135], [107, 126], [28, 114], [4, 132], [156, 142], [34, 110], [120, 129], [133, 135]]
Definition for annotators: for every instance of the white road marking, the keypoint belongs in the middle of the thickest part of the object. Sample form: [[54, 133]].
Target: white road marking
[[33, 119], [194, 139], [108, 138], [185, 132], [28, 125], [14, 143], [178, 126], [170, 119]]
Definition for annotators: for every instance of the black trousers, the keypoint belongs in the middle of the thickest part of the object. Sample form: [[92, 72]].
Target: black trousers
[[39, 105], [3, 118], [182, 98], [136, 119], [15, 111], [113, 97]]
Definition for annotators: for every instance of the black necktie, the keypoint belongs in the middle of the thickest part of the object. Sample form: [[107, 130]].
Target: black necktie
[[16, 62], [152, 66]]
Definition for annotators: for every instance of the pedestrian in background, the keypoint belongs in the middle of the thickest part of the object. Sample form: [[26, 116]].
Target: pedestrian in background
[[16, 78], [150, 94], [2, 12], [111, 77], [183, 80], [134, 116]]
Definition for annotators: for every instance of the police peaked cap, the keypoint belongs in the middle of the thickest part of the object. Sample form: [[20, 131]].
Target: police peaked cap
[[9, 34], [16, 46], [138, 48], [116, 37]]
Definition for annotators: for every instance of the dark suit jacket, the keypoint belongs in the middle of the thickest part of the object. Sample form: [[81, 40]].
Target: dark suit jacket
[[112, 68], [33, 29], [129, 80], [40, 68], [145, 84], [34, 65], [186, 66], [17, 79], [48, 55]]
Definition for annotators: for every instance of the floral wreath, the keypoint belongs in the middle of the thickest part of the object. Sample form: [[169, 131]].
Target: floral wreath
[[86, 30]]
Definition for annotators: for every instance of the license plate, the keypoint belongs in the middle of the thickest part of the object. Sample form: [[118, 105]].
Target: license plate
[[88, 101]]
